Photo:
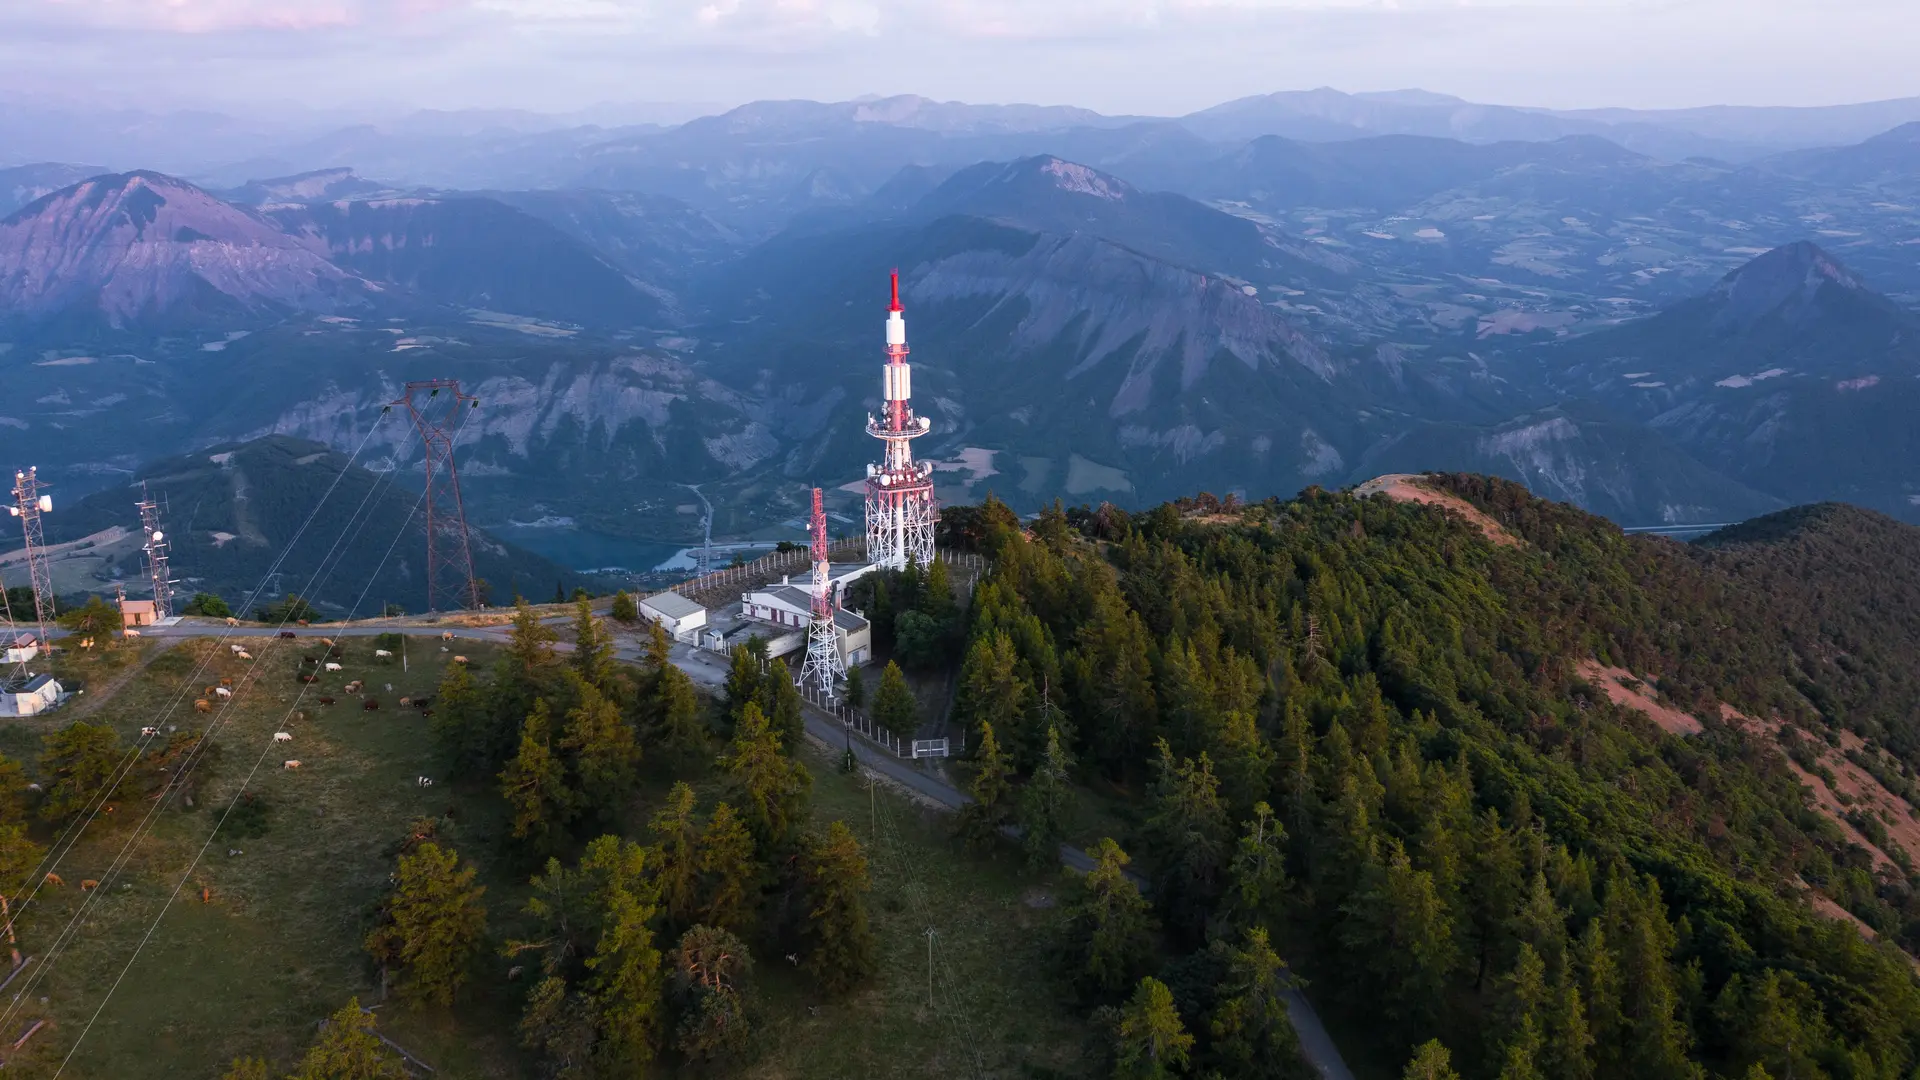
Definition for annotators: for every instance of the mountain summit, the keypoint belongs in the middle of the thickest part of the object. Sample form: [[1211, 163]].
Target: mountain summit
[[1787, 283], [124, 248]]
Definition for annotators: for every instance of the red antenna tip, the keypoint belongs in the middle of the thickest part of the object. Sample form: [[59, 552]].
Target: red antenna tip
[[896, 292]]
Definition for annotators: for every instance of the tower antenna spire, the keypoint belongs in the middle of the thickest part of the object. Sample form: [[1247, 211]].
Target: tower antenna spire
[[155, 546], [435, 405], [900, 505], [28, 505]]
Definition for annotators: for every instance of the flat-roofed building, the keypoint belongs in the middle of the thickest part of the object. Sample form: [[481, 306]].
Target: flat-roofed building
[[136, 613], [29, 695], [681, 617]]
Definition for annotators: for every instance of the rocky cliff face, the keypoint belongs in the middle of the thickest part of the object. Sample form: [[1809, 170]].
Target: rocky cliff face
[[129, 247]]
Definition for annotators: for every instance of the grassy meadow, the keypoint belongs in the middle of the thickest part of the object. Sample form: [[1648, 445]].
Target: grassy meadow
[[278, 945]]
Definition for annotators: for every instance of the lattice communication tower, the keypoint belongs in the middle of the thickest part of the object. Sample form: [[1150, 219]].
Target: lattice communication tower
[[435, 406], [823, 664], [28, 505], [900, 506], [156, 549]]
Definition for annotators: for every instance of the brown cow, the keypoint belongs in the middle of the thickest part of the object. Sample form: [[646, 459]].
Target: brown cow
[[370, 704], [53, 879], [226, 680], [326, 701], [203, 705], [89, 884]]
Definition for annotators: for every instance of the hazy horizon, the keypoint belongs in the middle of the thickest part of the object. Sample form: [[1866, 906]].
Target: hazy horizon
[[1150, 57]]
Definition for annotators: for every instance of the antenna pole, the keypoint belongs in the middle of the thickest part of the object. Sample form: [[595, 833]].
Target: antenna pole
[[155, 546]]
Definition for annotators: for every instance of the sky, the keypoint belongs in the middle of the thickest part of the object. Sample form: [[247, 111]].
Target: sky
[[1153, 57]]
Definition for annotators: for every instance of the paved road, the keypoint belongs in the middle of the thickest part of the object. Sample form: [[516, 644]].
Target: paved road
[[710, 670]]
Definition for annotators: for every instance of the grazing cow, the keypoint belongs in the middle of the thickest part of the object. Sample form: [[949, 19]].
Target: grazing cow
[[326, 701], [244, 654], [202, 705], [331, 666], [149, 732], [406, 703], [86, 643], [226, 680], [290, 765], [206, 894], [232, 851], [304, 622], [370, 704], [327, 641], [306, 678], [389, 688], [281, 736], [458, 659], [354, 686], [446, 635], [231, 621], [309, 659], [288, 634], [425, 781], [421, 703], [382, 654], [130, 632], [222, 692], [89, 883], [236, 648], [54, 880]]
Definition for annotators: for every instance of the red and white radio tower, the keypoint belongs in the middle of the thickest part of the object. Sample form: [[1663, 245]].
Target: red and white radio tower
[[450, 581], [900, 506], [823, 663]]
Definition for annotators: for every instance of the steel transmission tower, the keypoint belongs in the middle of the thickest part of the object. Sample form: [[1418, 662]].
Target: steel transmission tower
[[823, 664], [28, 505], [435, 406], [900, 507], [156, 549]]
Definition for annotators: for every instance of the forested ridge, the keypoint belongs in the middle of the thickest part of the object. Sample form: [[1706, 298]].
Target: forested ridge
[[1355, 729]]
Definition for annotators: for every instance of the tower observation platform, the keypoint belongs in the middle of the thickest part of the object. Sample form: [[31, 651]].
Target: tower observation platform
[[901, 510]]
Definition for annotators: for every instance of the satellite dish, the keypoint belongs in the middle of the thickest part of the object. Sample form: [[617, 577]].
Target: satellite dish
[[46, 504], [158, 536], [14, 511]]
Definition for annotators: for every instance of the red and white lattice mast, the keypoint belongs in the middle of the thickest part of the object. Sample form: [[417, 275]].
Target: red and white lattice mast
[[900, 507], [823, 665], [449, 568]]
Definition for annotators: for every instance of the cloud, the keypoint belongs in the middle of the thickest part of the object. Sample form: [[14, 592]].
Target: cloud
[[214, 16]]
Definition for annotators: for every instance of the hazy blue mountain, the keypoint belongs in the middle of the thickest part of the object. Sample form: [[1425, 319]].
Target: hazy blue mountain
[[1790, 375], [474, 252], [23, 184], [319, 185], [132, 249], [1890, 160], [234, 509], [661, 241]]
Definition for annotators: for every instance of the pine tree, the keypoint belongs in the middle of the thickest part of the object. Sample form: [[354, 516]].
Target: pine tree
[[1431, 1061], [770, 787], [1243, 761], [728, 873], [1252, 1034], [1109, 926], [530, 642], [603, 755], [676, 715], [856, 688], [1257, 883], [981, 819], [431, 924], [839, 943], [744, 679], [783, 707], [710, 967], [624, 609], [1568, 1053], [1044, 804], [348, 1050], [676, 841], [1150, 1041], [592, 656], [534, 784], [1522, 1001], [1189, 835], [893, 705], [246, 1069], [991, 691], [1396, 921], [81, 761], [462, 722]]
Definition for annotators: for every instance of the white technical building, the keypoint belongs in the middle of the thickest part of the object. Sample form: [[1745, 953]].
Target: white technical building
[[900, 506], [681, 617], [29, 695], [790, 607], [22, 648]]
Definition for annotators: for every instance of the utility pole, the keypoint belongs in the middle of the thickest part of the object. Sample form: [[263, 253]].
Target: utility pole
[[929, 968], [155, 546]]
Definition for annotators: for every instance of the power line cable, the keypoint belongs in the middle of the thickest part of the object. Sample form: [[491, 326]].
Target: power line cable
[[192, 866]]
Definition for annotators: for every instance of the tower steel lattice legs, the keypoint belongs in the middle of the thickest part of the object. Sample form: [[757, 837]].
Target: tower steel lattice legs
[[156, 549], [28, 505], [435, 407], [823, 664]]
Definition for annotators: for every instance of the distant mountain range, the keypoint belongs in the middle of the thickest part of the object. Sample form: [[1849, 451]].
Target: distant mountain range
[[1151, 314]]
